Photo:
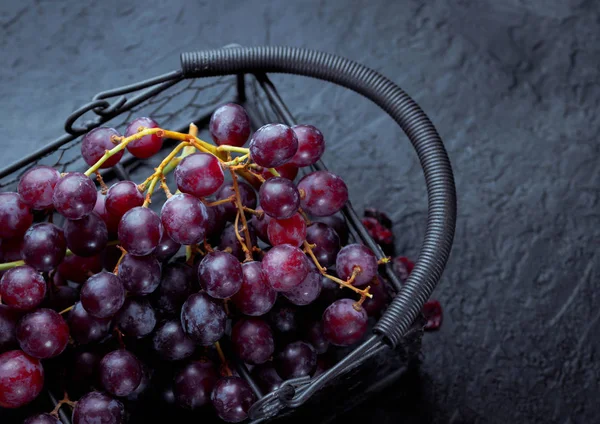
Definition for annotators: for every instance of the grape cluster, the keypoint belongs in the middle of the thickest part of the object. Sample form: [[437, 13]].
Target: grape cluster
[[120, 289]]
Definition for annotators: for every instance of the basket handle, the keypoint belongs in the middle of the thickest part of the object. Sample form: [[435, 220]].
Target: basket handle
[[441, 192]]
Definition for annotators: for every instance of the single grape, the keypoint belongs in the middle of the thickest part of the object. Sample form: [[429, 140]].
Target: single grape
[[290, 231], [122, 197], [10, 249], [177, 284], [140, 275], [232, 398], [74, 195], [203, 319], [220, 274], [142, 389], [78, 269], [230, 125], [15, 216], [256, 296], [83, 370], [273, 145], [260, 225], [216, 221], [148, 145], [42, 419], [327, 243], [98, 408], [338, 223], [43, 334], [60, 298], [44, 246], [229, 239], [102, 295], [295, 360], [285, 267], [136, 318], [375, 305], [171, 343], [167, 247], [252, 340], [21, 379], [311, 145], [96, 142], [315, 336], [140, 231], [22, 288], [86, 236], [194, 383], [322, 193], [184, 218], [266, 377], [85, 328], [284, 319], [279, 198], [199, 174], [287, 170], [8, 324], [111, 221], [247, 196], [343, 323], [37, 185], [360, 257], [307, 291], [120, 372]]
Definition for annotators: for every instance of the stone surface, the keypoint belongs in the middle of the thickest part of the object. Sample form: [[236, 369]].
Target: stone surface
[[512, 86]]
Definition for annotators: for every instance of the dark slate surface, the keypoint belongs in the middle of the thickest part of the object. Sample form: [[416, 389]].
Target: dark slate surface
[[512, 86]]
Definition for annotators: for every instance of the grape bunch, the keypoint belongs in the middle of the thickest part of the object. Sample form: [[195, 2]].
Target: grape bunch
[[128, 302]]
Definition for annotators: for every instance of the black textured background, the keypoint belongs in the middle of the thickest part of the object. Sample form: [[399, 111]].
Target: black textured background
[[512, 86]]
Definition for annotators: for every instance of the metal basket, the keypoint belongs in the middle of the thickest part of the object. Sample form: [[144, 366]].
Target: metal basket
[[240, 74]]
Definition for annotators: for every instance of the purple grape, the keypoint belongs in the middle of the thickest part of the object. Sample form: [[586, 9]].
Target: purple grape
[[140, 275], [315, 336], [96, 142], [37, 185], [256, 296], [136, 318], [148, 145], [279, 198], [285, 267], [194, 383], [232, 399], [322, 193], [122, 197], [167, 247], [184, 218], [375, 305], [203, 319], [77, 269], [42, 419], [343, 323], [120, 372], [171, 343], [360, 257], [230, 125], [86, 236], [22, 288], [8, 324], [220, 274], [15, 216], [60, 298], [261, 225], [42, 334], [140, 231], [307, 291], [86, 328], [338, 223], [102, 295], [247, 196], [311, 145], [44, 246], [273, 145], [284, 319], [21, 379], [96, 408], [252, 340], [266, 377], [177, 284], [290, 231], [229, 239], [327, 243], [74, 195], [216, 221], [296, 360], [199, 174]]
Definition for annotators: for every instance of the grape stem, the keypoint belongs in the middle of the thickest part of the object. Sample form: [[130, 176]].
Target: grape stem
[[240, 207], [233, 149], [64, 401], [158, 173], [64, 311], [123, 253], [384, 260], [308, 248], [259, 214], [247, 252], [228, 372], [100, 180], [221, 202], [305, 216]]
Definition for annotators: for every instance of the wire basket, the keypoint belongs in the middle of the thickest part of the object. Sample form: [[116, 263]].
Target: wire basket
[[208, 79]]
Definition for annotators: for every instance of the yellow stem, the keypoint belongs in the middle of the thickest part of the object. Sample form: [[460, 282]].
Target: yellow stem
[[223, 360], [239, 237], [240, 207], [234, 149]]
